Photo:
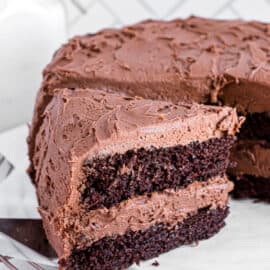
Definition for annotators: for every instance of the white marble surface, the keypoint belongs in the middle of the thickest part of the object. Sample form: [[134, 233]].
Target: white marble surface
[[244, 244]]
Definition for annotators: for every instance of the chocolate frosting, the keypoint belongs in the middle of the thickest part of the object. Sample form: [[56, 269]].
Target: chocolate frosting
[[252, 158], [207, 61], [77, 125]]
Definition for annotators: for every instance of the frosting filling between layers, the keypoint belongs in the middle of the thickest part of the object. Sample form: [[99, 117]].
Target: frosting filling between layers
[[139, 213], [117, 177], [252, 158], [246, 96]]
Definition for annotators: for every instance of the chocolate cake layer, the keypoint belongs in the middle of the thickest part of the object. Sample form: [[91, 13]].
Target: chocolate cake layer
[[119, 252], [256, 127], [250, 186], [252, 158], [207, 61], [116, 178]]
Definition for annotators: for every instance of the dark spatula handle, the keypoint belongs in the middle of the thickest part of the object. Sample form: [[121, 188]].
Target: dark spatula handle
[[29, 232]]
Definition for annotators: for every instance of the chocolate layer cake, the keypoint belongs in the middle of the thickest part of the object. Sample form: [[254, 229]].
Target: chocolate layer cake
[[122, 179], [207, 61]]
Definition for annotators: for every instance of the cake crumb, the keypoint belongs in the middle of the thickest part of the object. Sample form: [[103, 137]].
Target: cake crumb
[[161, 116], [155, 263], [194, 244]]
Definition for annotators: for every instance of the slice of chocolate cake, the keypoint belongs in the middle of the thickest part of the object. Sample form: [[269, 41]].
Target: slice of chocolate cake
[[207, 61], [122, 179]]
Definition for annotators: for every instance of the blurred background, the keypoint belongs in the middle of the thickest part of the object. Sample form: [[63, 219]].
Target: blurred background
[[31, 30]]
